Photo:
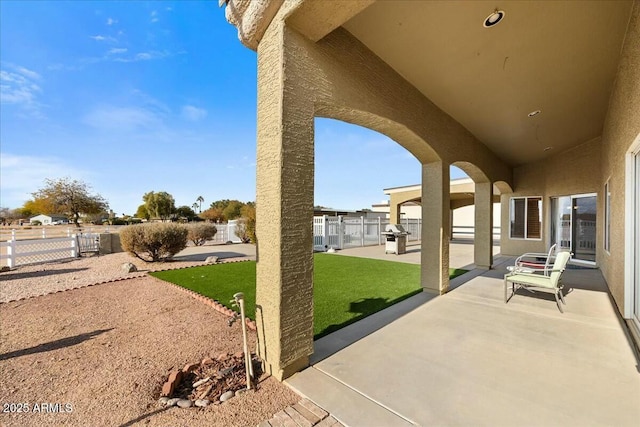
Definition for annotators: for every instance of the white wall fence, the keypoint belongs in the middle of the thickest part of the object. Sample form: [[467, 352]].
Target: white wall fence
[[14, 252], [341, 233], [227, 232], [54, 231]]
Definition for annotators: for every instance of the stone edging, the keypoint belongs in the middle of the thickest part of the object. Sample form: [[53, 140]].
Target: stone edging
[[209, 301]]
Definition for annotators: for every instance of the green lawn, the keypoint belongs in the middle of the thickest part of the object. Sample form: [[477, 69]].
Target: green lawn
[[346, 289]]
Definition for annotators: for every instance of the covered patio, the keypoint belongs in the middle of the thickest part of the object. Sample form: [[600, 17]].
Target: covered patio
[[537, 99], [467, 358]]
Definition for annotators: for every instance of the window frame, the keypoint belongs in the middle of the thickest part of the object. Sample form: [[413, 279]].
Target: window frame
[[526, 203]]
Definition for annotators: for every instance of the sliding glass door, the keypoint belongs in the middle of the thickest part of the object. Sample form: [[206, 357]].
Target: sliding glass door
[[573, 225]]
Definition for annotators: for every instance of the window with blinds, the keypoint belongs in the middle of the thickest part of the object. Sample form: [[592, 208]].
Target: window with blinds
[[526, 218]]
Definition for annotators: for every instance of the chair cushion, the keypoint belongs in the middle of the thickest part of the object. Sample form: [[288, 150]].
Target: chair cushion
[[531, 280]]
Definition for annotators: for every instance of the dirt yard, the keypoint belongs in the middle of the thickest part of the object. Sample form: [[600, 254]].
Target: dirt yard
[[102, 353]]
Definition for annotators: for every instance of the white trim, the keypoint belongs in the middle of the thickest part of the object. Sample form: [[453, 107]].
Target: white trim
[[630, 231]]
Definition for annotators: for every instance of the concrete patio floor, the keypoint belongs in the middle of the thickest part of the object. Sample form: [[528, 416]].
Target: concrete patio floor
[[460, 253], [467, 358]]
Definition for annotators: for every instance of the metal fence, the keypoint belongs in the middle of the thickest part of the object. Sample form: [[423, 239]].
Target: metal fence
[[341, 233]]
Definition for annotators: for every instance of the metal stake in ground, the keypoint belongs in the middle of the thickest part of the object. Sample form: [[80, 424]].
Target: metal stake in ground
[[239, 301]]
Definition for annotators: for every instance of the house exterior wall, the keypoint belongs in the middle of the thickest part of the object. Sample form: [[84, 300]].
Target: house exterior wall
[[575, 171], [44, 219], [621, 128], [586, 169]]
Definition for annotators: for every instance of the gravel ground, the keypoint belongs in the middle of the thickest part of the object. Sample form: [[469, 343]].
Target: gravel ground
[[104, 351], [41, 279]]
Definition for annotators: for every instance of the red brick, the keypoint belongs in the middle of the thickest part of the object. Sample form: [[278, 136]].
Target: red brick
[[172, 382], [167, 389]]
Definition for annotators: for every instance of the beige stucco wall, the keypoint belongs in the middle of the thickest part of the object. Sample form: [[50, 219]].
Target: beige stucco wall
[[348, 82], [575, 171], [586, 169], [621, 128], [337, 77]]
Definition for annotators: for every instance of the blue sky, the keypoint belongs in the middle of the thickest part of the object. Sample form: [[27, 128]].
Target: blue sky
[[132, 97]]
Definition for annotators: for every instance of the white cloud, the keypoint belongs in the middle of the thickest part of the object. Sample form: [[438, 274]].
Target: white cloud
[[122, 119], [22, 175], [154, 16], [101, 38], [192, 113], [117, 50], [145, 56], [19, 87], [111, 21]]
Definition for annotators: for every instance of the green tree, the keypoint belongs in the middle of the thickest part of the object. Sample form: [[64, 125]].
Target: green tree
[[233, 210], [159, 205], [69, 197], [219, 204], [185, 212], [200, 199], [142, 212]]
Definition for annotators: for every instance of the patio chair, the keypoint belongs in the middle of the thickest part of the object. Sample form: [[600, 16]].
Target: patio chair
[[531, 262], [532, 281]]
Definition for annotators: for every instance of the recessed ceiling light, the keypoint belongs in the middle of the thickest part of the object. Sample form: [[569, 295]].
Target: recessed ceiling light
[[493, 19], [547, 148], [534, 113]]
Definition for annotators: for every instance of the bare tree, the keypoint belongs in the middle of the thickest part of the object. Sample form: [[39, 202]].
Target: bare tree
[[70, 197]]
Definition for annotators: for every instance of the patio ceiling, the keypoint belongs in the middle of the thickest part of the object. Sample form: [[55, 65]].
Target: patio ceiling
[[558, 57]]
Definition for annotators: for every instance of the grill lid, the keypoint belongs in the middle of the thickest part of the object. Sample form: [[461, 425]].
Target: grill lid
[[395, 229]]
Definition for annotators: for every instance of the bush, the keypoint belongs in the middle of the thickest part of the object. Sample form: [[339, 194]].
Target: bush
[[154, 242], [200, 233]]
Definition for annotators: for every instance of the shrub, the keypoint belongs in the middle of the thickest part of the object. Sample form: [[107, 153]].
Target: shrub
[[155, 241], [241, 230], [200, 233]]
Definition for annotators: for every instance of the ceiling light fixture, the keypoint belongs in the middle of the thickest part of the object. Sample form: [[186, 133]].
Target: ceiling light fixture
[[493, 19], [534, 113]]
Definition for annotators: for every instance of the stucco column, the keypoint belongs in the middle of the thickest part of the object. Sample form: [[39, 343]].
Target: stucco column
[[435, 227], [284, 201], [394, 210], [483, 234]]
